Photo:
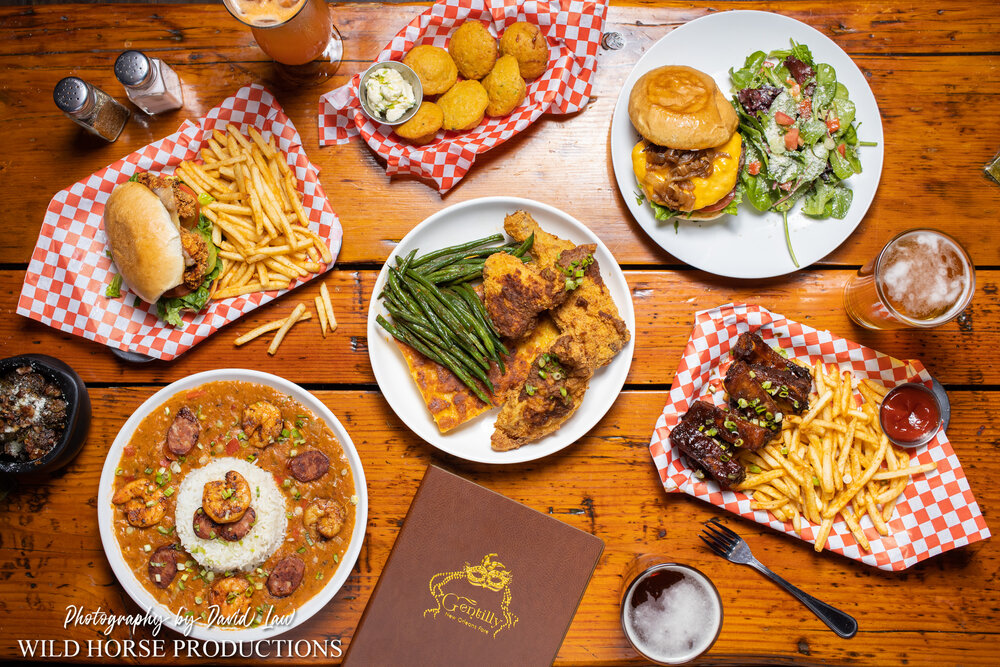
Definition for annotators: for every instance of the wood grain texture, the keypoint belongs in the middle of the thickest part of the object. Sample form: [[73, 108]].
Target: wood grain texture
[[933, 72], [665, 303], [51, 553]]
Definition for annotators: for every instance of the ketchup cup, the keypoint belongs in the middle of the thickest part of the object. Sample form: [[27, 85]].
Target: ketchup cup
[[911, 414]]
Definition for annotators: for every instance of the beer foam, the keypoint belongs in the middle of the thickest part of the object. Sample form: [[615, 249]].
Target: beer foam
[[924, 276], [677, 626]]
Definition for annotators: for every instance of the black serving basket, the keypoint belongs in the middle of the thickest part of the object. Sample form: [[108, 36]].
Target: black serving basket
[[77, 413]]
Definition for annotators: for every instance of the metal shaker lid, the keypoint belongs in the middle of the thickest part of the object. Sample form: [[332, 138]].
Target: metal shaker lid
[[71, 94], [132, 68]]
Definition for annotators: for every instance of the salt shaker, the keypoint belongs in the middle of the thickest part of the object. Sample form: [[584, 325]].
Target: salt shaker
[[90, 107], [149, 82]]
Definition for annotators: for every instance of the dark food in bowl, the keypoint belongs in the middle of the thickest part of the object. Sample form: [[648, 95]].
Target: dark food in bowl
[[33, 414]]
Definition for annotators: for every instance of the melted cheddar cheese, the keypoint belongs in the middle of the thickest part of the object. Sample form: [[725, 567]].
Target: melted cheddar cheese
[[707, 191]]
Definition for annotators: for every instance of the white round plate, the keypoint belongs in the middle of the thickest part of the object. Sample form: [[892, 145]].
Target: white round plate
[[471, 441], [105, 513], [750, 244]]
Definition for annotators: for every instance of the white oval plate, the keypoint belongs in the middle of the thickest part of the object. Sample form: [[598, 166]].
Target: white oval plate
[[105, 513], [750, 244], [468, 221]]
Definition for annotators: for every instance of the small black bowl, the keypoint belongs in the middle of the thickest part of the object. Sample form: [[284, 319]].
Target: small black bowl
[[77, 413]]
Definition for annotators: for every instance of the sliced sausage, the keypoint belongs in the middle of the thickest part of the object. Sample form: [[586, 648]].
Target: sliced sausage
[[163, 566], [204, 527], [237, 530], [308, 466], [286, 576], [183, 433]]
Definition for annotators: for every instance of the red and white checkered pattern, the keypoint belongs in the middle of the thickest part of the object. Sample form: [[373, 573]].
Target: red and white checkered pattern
[[69, 270], [573, 29], [936, 511]]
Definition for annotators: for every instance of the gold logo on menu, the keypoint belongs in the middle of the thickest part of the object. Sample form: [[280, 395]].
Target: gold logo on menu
[[486, 610]]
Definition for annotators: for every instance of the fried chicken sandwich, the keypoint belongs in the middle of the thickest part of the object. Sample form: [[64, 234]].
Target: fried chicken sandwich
[[161, 244], [687, 163]]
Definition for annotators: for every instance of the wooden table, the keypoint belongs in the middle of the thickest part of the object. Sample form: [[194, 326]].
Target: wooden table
[[935, 71]]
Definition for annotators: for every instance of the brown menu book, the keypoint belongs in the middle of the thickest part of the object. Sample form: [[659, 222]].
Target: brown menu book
[[474, 579]]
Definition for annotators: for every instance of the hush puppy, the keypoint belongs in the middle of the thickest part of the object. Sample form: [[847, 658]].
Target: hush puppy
[[526, 42], [464, 105], [504, 86], [434, 67], [423, 126], [474, 50]]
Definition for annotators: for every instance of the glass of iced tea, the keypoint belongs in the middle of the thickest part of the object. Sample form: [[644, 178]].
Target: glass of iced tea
[[298, 34], [922, 278], [671, 613]]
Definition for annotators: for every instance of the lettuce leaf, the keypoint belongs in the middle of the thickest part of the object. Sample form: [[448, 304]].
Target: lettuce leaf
[[170, 310]]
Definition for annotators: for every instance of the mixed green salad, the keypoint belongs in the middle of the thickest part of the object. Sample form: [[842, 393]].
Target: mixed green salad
[[800, 140]]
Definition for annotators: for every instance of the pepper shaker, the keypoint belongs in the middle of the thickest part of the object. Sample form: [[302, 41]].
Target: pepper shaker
[[149, 82], [90, 107]]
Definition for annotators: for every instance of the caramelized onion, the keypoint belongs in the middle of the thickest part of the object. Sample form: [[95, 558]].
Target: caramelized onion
[[677, 167]]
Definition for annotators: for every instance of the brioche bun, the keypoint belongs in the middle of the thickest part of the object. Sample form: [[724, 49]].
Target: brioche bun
[[145, 242], [681, 107]]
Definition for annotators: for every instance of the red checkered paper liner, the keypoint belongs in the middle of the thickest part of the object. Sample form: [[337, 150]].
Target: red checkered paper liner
[[936, 511], [573, 30], [69, 270]]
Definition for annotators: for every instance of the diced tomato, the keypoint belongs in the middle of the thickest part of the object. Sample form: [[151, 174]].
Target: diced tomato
[[195, 393], [805, 107], [232, 446], [129, 450], [754, 168], [842, 149], [783, 118], [786, 186], [832, 124], [792, 139]]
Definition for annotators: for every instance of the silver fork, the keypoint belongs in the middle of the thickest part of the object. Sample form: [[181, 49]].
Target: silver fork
[[724, 542]]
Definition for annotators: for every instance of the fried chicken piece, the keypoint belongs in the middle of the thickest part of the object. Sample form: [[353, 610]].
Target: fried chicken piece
[[515, 293], [183, 203], [195, 258], [588, 315], [551, 393]]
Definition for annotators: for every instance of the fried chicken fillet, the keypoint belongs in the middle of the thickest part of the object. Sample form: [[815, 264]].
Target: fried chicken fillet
[[589, 315], [515, 293], [551, 393]]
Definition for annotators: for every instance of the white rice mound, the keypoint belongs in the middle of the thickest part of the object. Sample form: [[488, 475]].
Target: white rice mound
[[264, 537]]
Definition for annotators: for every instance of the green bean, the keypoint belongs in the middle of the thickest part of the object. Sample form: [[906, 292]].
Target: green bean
[[447, 311], [467, 363], [451, 250], [526, 246], [433, 355]]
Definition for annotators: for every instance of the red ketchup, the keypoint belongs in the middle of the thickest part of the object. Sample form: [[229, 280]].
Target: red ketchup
[[910, 413]]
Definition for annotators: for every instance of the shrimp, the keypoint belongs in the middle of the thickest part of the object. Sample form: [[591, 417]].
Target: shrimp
[[325, 516], [230, 596], [226, 501], [262, 423], [143, 502]]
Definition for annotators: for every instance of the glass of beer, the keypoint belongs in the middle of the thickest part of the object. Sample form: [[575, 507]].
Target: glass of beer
[[671, 613], [298, 34], [922, 278]]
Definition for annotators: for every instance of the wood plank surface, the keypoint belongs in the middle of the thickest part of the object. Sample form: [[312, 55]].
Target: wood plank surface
[[664, 301], [933, 72], [50, 551]]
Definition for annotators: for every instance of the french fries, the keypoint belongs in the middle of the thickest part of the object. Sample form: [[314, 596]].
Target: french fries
[[832, 462], [260, 226]]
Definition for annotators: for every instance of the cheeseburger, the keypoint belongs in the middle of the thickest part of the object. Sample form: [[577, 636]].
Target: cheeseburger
[[688, 161], [161, 244]]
